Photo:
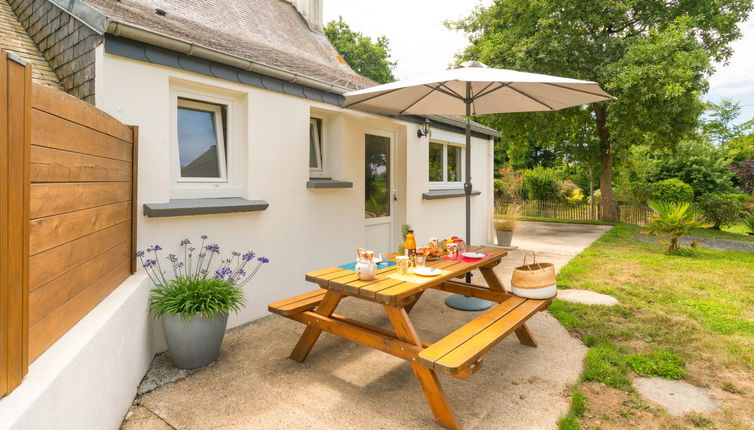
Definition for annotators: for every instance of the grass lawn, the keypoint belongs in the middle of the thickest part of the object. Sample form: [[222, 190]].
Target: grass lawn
[[687, 316], [733, 232]]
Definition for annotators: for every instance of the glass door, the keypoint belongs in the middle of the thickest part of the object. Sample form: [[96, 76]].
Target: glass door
[[379, 194]]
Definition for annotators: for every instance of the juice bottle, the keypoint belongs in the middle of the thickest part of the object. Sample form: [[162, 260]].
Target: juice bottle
[[410, 245]]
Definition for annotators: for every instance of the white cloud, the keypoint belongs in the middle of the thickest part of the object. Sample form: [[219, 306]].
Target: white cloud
[[739, 72]]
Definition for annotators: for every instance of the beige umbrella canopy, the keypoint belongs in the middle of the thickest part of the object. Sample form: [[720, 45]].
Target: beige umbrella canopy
[[474, 88]]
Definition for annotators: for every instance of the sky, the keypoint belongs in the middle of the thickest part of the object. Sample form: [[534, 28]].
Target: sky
[[420, 43]]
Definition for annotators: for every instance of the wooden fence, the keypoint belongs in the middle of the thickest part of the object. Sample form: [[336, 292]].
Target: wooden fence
[[78, 213], [633, 214]]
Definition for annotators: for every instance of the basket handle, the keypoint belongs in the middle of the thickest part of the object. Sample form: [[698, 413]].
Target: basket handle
[[534, 257]]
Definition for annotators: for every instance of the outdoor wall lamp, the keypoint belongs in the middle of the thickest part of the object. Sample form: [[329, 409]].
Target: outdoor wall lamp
[[424, 130]]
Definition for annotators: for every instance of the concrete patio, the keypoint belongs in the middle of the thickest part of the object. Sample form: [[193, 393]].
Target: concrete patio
[[343, 385]]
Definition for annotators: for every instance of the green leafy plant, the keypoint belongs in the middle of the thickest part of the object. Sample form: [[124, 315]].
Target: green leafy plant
[[670, 221], [661, 363], [541, 183], [187, 297], [749, 223], [672, 190], [721, 209]]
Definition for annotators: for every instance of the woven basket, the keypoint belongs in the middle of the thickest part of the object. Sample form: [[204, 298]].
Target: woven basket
[[535, 280]]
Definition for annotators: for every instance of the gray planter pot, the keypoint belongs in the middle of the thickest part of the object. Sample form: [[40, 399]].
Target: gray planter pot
[[504, 238], [196, 342]]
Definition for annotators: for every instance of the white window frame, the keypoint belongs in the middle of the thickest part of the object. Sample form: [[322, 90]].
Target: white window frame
[[217, 110], [444, 184], [230, 184], [323, 170]]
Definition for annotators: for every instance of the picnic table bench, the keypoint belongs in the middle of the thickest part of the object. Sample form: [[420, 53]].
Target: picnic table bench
[[457, 354]]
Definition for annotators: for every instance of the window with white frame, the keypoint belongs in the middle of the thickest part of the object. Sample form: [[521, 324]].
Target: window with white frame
[[445, 165], [317, 149], [202, 146]]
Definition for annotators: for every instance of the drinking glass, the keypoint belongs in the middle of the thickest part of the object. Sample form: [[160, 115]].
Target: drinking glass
[[420, 260]]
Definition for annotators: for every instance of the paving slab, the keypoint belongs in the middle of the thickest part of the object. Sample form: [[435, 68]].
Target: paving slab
[[587, 297], [254, 385], [678, 397]]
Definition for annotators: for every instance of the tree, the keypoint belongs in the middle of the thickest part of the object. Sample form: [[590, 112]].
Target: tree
[[654, 56], [696, 162], [720, 126], [368, 58]]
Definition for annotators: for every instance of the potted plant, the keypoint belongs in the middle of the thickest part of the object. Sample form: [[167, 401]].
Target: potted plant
[[505, 225], [194, 301]]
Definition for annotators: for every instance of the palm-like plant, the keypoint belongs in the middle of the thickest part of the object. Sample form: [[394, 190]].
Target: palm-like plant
[[671, 220], [749, 222]]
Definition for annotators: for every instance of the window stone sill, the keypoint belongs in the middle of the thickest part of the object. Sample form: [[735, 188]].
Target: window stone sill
[[188, 207], [447, 194], [316, 183]]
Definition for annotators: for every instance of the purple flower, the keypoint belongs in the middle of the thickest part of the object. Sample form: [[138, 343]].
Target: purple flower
[[185, 242], [264, 260], [213, 248], [172, 258], [157, 248], [139, 253], [223, 272], [204, 236], [150, 249], [248, 256]]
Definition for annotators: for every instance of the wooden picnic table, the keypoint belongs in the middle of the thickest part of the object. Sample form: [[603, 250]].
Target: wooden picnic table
[[458, 354]]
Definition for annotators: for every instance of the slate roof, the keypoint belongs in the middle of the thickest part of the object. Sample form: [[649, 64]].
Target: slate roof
[[13, 37], [271, 32]]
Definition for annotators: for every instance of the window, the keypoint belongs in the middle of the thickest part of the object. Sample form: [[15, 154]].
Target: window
[[445, 164], [316, 162], [201, 141]]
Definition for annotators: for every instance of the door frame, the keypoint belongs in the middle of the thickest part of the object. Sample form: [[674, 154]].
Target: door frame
[[394, 189]]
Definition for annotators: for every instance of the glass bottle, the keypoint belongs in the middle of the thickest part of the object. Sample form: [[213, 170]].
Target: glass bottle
[[410, 245]]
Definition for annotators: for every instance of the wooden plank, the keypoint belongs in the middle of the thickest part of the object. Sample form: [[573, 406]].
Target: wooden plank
[[48, 265], [371, 290], [297, 304], [440, 348], [51, 131], [49, 297], [15, 102], [55, 165], [58, 198], [134, 194], [49, 330], [52, 231], [65, 106], [473, 348]]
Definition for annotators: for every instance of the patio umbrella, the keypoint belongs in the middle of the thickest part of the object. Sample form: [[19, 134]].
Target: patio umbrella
[[474, 88]]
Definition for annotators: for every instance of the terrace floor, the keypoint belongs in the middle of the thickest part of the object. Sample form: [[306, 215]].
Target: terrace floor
[[343, 385]]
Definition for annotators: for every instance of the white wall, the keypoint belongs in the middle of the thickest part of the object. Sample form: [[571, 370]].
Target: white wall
[[302, 229], [88, 378]]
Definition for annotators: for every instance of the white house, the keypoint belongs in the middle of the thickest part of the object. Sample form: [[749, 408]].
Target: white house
[[241, 138]]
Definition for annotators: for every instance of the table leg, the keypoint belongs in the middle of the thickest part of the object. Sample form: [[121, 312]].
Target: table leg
[[436, 397], [326, 307], [412, 304], [492, 280], [525, 336]]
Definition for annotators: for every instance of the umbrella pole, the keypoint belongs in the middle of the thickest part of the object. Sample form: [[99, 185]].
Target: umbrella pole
[[457, 301]]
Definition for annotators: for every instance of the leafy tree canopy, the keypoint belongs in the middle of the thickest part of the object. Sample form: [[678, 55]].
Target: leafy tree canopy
[[368, 58], [654, 56], [720, 125]]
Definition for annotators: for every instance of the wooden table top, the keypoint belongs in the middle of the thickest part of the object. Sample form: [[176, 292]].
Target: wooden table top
[[388, 290]]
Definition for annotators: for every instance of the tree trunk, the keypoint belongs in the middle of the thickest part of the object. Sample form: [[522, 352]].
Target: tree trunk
[[609, 205]]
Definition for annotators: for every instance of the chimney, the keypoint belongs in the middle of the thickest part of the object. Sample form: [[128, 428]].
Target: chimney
[[311, 10]]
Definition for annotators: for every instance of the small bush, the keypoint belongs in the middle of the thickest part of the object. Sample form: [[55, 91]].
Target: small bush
[[187, 297], [569, 422], [672, 190], [541, 183], [670, 221], [722, 209], [605, 364], [749, 223], [661, 363], [569, 192], [578, 404], [509, 185]]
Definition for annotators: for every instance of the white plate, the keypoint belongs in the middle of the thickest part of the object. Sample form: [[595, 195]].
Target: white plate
[[427, 271], [474, 255]]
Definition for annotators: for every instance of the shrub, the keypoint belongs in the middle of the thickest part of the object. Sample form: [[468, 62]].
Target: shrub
[[187, 297], [700, 164], [722, 209], [509, 185], [541, 183], [569, 192], [744, 174], [749, 223], [670, 221], [672, 190]]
